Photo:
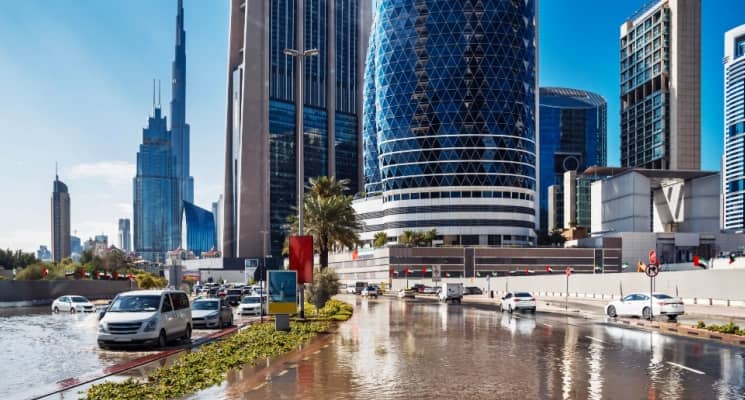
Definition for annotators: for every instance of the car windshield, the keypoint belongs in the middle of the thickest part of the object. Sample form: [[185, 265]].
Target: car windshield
[[251, 300], [662, 296], [205, 305], [79, 299], [135, 303], [522, 294]]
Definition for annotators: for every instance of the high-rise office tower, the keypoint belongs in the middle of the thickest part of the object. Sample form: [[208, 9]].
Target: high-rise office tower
[[179, 127], [661, 86], [217, 208], [260, 157], [734, 130], [125, 241], [573, 134], [60, 221], [450, 121], [76, 246], [156, 212]]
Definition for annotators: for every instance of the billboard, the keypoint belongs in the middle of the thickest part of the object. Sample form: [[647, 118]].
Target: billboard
[[301, 258], [282, 292]]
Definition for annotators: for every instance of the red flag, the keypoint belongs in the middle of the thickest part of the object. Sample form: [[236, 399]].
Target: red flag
[[424, 270], [44, 272], [406, 270], [549, 269], [696, 261], [392, 271], [568, 271], [526, 270], [116, 274], [130, 275], [98, 274]]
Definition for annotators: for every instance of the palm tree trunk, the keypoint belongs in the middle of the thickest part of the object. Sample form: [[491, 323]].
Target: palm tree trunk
[[324, 252]]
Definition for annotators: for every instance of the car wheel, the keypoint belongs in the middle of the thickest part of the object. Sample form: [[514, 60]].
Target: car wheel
[[56, 309], [220, 323], [72, 310], [532, 310], [612, 312], [509, 309], [162, 339], [187, 334], [672, 318], [646, 313]]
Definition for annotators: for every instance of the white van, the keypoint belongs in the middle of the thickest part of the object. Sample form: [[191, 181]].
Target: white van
[[144, 317]]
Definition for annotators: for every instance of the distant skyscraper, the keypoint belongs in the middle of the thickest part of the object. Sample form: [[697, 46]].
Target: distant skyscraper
[[217, 210], [450, 121], [125, 241], [573, 134], [163, 166], [156, 213], [661, 86], [43, 254], [60, 221], [734, 129], [260, 157], [179, 127], [75, 245]]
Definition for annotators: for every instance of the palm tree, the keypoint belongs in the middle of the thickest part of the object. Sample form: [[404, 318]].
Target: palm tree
[[381, 238], [429, 236], [409, 238], [328, 217], [326, 187]]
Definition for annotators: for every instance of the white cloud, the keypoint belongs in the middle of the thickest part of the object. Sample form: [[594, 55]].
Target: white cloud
[[114, 173]]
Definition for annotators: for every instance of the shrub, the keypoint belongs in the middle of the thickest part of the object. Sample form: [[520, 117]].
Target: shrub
[[146, 280], [34, 272], [700, 324], [325, 285]]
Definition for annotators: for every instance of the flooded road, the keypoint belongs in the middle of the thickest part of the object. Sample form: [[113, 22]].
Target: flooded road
[[39, 349], [393, 349]]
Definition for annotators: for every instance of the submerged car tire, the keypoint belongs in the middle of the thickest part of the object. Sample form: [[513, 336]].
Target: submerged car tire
[[72, 310], [187, 334], [646, 313], [611, 312], [162, 339], [56, 309]]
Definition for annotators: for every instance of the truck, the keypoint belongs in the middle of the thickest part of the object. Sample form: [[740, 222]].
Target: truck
[[359, 287], [451, 292]]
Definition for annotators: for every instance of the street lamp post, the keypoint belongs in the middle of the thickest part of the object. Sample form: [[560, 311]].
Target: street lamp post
[[300, 104]]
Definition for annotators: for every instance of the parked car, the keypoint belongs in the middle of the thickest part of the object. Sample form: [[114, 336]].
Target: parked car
[[360, 287], [451, 292], [431, 290], [144, 317], [233, 296], [406, 293], [72, 304], [250, 305], [419, 288], [351, 289], [472, 290], [637, 305], [514, 301], [211, 313], [370, 291], [378, 289]]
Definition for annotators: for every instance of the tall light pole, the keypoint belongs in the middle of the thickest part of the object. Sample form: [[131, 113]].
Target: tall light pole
[[300, 105]]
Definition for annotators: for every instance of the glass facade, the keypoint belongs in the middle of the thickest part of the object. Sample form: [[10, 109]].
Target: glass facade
[[199, 227], [645, 95], [450, 103], [734, 130], [156, 213], [573, 134]]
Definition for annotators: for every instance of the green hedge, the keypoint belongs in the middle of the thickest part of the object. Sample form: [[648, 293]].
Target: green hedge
[[201, 369]]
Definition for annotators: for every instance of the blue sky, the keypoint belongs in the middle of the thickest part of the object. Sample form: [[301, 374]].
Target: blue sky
[[76, 87]]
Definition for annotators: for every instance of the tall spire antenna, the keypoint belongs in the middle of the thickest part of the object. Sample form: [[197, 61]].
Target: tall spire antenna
[[153, 92], [158, 93], [56, 171]]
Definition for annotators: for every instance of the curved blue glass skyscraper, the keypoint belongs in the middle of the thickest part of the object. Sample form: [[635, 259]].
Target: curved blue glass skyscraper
[[450, 124]]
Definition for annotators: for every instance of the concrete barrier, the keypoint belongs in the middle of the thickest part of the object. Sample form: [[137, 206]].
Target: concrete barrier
[[706, 287], [30, 293]]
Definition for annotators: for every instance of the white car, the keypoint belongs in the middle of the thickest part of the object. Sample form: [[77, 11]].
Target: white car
[[514, 301], [73, 304], [144, 317], [370, 291], [351, 289], [250, 305], [211, 313], [637, 305]]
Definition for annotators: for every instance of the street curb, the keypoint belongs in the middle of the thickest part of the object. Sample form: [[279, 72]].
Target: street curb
[[678, 330]]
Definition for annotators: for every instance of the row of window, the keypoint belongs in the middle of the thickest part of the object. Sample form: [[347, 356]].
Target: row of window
[[458, 195]]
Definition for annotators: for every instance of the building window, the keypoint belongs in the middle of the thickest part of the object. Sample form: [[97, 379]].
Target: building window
[[740, 46]]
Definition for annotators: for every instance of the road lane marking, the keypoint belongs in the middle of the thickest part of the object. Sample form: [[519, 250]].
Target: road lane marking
[[594, 339], [695, 371], [282, 373]]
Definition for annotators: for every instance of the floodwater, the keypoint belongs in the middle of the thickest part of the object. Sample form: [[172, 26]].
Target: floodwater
[[395, 349]]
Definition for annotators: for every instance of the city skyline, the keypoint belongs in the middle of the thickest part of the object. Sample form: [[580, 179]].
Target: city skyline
[[95, 137]]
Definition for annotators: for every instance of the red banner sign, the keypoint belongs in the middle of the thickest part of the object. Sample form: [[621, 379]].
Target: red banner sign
[[301, 258]]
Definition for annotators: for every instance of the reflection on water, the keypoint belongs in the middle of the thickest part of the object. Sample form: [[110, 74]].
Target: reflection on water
[[394, 349]]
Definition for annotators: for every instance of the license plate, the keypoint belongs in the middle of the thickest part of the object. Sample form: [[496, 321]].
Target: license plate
[[122, 340]]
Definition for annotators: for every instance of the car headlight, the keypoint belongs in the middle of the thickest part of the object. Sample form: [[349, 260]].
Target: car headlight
[[103, 328], [151, 324], [212, 315]]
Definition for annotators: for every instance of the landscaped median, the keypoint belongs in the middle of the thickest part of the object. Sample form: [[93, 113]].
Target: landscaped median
[[207, 367]]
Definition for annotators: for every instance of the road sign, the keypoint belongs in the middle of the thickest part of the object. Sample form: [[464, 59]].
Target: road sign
[[652, 270], [652, 257]]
